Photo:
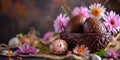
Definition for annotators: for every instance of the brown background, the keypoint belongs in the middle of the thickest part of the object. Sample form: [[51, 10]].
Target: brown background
[[20, 15]]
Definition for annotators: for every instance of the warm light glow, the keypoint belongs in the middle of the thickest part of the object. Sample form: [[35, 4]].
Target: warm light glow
[[10, 53], [80, 50], [96, 12]]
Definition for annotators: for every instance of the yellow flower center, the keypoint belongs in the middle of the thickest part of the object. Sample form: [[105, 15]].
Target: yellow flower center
[[80, 50], [10, 53], [96, 12]]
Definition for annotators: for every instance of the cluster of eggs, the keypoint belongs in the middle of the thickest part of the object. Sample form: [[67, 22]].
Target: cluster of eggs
[[16, 42], [75, 25], [78, 24]]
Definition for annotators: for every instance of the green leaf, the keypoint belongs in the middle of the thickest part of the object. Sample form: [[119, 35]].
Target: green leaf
[[45, 50], [39, 45], [20, 35], [102, 53], [64, 10]]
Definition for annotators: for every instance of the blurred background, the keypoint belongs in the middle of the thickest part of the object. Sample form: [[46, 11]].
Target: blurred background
[[19, 16]]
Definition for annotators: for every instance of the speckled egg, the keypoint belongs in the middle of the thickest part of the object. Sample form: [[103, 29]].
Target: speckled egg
[[58, 46]]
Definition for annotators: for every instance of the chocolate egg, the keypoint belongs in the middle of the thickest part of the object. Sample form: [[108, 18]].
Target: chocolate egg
[[58, 46], [75, 25], [93, 25]]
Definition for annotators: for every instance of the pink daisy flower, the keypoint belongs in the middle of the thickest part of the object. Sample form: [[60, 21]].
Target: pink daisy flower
[[97, 10], [112, 22], [112, 54], [48, 36], [81, 50], [8, 53], [81, 11], [26, 49], [60, 23]]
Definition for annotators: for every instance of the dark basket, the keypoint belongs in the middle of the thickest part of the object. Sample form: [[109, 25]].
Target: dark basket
[[93, 41]]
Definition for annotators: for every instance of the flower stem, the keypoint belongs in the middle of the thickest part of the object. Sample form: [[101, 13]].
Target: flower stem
[[64, 10]]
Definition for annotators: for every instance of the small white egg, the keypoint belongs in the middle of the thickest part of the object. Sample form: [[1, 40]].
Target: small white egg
[[96, 57], [14, 42]]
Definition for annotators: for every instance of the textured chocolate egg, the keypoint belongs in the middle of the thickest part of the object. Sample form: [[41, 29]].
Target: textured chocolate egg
[[75, 25], [93, 25], [58, 46]]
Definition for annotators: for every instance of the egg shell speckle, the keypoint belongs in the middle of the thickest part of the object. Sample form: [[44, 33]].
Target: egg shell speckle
[[58, 46]]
